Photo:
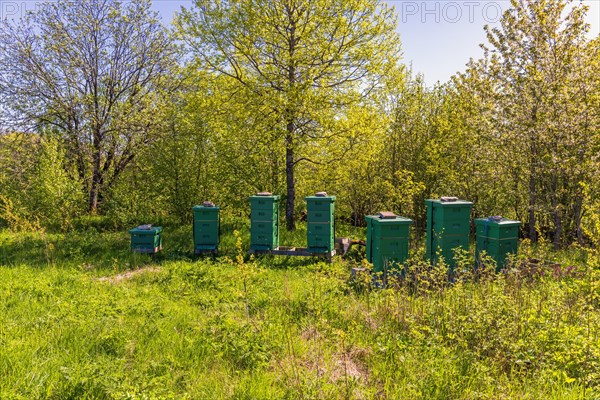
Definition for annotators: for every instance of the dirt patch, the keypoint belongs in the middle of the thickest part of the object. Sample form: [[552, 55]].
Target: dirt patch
[[128, 275], [310, 333], [350, 365]]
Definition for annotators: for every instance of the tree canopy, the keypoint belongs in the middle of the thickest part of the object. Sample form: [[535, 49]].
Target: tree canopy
[[294, 97], [298, 64], [93, 72]]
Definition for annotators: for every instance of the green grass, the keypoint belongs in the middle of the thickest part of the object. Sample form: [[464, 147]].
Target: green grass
[[81, 317]]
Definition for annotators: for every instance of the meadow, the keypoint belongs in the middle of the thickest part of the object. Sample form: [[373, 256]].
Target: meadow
[[113, 114], [83, 318]]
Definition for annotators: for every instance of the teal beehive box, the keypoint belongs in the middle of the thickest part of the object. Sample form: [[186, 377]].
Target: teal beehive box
[[498, 236], [320, 217], [146, 239], [387, 241], [206, 228], [448, 228], [264, 221]]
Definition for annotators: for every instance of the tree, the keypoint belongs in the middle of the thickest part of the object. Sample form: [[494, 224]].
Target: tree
[[93, 71], [542, 102], [296, 64]]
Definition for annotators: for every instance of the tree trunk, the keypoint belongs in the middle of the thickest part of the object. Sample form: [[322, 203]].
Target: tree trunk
[[291, 184], [291, 126], [532, 231], [577, 217], [96, 178], [94, 193], [556, 214]]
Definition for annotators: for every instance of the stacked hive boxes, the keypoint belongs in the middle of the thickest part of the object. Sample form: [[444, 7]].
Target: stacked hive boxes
[[448, 227], [387, 240], [498, 237], [264, 221], [320, 218], [206, 228]]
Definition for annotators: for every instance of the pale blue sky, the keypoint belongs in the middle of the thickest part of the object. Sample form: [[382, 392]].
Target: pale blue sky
[[438, 36]]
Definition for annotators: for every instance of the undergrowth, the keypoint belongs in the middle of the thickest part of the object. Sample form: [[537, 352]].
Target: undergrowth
[[80, 317]]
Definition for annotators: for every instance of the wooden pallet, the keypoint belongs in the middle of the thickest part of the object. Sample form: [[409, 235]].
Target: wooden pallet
[[148, 251], [214, 252], [296, 252], [343, 245]]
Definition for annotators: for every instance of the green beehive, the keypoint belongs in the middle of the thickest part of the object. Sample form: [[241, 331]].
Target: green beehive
[[387, 240], [498, 237], [206, 228], [320, 217], [264, 221], [448, 227], [146, 239]]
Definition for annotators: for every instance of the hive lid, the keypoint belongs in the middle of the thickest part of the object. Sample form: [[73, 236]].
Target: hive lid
[[502, 221], [448, 199], [387, 215], [146, 229], [396, 219], [208, 204], [321, 197], [264, 194]]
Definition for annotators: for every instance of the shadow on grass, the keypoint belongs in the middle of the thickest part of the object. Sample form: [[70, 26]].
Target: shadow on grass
[[92, 249], [76, 249], [86, 250]]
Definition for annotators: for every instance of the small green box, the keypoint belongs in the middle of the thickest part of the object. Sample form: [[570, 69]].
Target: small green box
[[264, 227], [264, 221], [320, 228], [448, 227], [261, 215], [387, 240], [206, 228], [320, 216], [265, 201], [320, 243], [146, 239], [499, 237]]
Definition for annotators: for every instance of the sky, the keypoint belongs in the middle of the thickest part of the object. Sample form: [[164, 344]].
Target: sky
[[438, 36]]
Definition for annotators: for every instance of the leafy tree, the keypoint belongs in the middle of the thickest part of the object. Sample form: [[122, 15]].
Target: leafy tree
[[413, 141], [37, 186], [182, 166], [296, 64], [542, 102], [93, 70], [54, 194]]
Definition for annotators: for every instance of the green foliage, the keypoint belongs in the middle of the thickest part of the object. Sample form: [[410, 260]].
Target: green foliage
[[55, 194], [44, 191], [535, 86], [95, 73], [297, 68], [266, 100]]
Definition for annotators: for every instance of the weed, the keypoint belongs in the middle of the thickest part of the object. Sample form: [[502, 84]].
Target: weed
[[83, 318]]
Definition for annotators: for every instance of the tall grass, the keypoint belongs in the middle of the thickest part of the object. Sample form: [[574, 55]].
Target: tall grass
[[80, 317]]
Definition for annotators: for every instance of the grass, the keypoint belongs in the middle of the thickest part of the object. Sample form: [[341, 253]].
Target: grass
[[80, 317]]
